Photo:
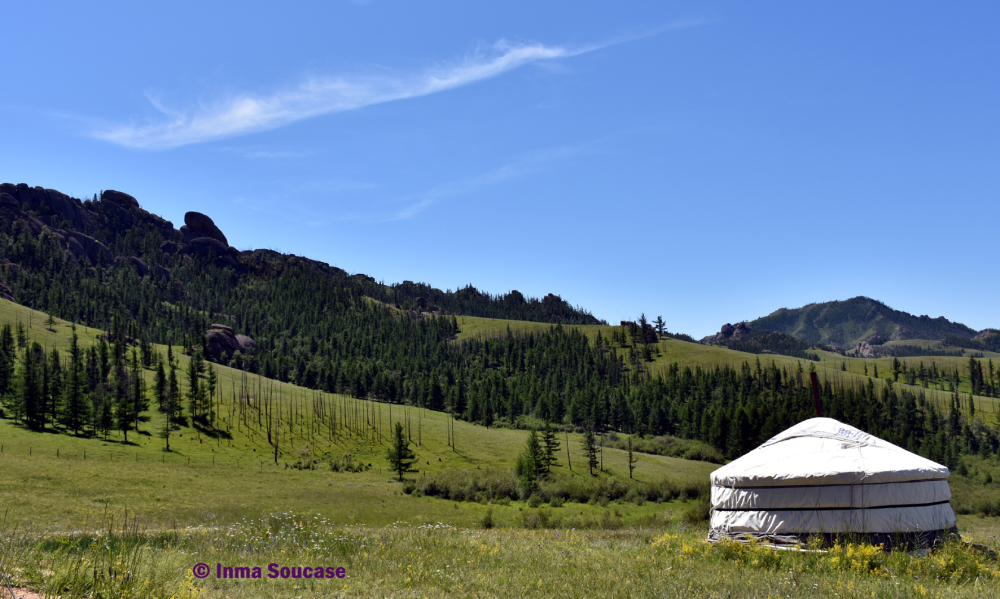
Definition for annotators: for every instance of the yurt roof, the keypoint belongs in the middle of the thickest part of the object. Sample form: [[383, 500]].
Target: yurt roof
[[823, 451]]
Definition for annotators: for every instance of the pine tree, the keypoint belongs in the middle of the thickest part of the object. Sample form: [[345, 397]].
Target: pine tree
[[590, 449], [8, 358], [550, 445], [194, 392], [22, 336], [160, 387], [531, 462], [211, 384], [122, 401], [29, 387], [401, 457], [54, 389], [631, 458], [174, 409], [140, 403], [74, 402], [106, 419], [661, 326]]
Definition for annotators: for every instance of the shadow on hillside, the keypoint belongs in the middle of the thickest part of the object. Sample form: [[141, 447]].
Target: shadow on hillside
[[212, 433]]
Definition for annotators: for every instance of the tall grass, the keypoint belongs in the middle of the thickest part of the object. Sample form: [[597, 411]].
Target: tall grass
[[436, 560]]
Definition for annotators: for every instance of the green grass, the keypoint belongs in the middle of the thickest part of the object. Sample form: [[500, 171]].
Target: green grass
[[473, 326], [214, 499], [67, 481], [437, 560]]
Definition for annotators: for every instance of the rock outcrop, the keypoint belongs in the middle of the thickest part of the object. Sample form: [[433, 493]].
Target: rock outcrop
[[209, 247], [139, 265], [204, 226], [120, 198], [6, 293], [164, 273], [730, 332], [223, 341], [865, 350]]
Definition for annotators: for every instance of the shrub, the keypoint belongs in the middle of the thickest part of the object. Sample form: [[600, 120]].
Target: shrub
[[348, 464], [487, 520], [494, 485], [700, 509]]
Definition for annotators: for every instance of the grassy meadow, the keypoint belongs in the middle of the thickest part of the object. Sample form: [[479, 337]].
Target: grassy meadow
[[95, 517]]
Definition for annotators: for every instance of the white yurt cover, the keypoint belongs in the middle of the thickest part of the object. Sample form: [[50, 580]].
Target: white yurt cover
[[825, 477]]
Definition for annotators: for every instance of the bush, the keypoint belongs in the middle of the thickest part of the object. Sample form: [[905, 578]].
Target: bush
[[348, 464], [539, 519], [700, 509], [668, 446], [487, 520], [497, 485]]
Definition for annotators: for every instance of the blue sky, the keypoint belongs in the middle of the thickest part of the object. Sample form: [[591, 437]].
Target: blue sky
[[708, 162]]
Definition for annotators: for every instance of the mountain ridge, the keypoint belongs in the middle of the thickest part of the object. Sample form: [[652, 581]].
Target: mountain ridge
[[97, 231], [845, 323]]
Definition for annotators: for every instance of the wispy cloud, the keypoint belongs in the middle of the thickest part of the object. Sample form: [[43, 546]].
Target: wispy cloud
[[249, 113], [515, 169], [261, 152]]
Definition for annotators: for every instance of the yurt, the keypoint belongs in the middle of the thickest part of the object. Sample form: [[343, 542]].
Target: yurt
[[823, 477]]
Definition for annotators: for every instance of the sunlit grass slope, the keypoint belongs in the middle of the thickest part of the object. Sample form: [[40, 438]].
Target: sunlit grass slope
[[63, 480]]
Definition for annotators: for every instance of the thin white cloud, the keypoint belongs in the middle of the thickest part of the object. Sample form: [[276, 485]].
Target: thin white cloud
[[515, 169], [249, 113], [261, 152]]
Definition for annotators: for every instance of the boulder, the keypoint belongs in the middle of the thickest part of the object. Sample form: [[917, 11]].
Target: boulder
[[122, 199], [6, 293], [224, 328], [246, 344], [77, 251], [92, 248], [139, 266], [204, 225], [189, 234], [164, 273], [11, 270], [168, 247], [222, 341]]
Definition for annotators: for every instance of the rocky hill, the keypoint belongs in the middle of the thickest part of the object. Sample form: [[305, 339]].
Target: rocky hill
[[745, 338], [847, 323], [114, 231]]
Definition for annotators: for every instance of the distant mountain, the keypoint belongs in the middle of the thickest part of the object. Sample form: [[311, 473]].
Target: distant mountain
[[846, 323]]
